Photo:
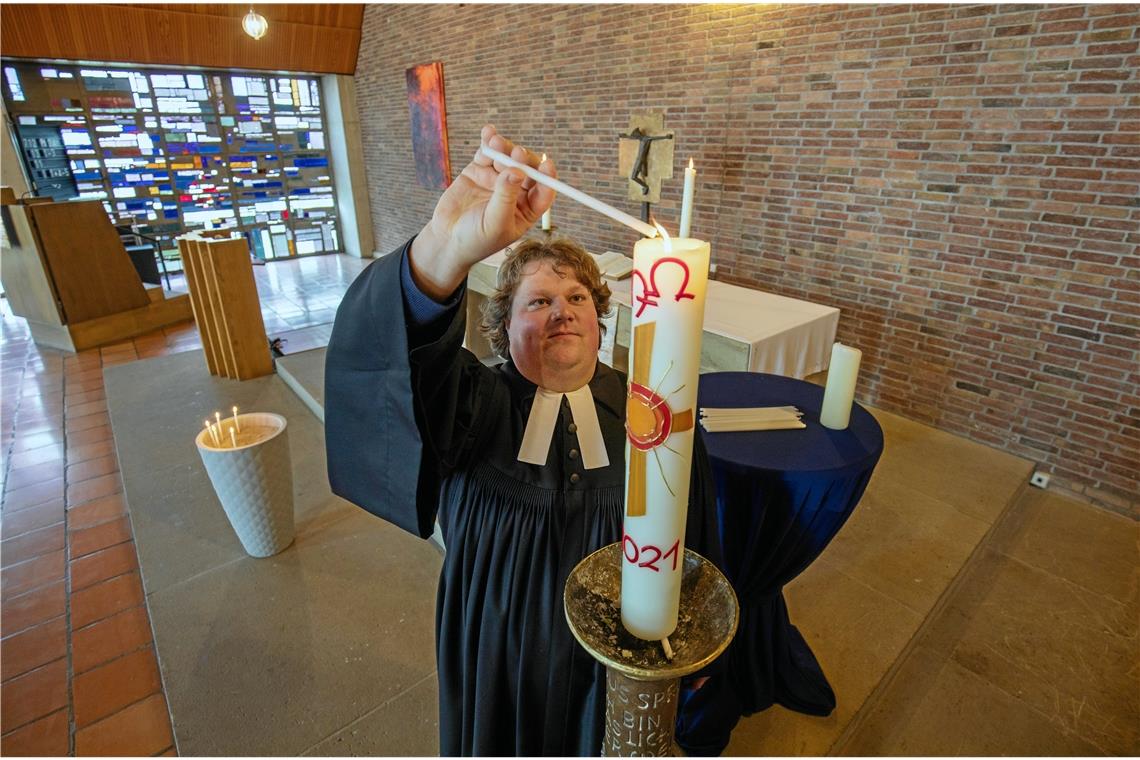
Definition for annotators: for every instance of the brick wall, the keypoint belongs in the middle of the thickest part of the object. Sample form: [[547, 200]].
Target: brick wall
[[960, 180]]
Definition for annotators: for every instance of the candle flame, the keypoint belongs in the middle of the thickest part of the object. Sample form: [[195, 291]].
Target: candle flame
[[664, 236], [543, 158], [691, 163]]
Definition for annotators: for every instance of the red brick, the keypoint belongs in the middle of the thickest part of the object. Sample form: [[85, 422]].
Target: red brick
[[102, 565], [33, 647], [110, 638], [33, 695], [110, 687], [87, 540], [141, 729], [35, 607], [47, 737], [102, 600]]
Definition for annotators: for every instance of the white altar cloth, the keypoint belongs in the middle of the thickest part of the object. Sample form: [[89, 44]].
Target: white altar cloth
[[786, 336]]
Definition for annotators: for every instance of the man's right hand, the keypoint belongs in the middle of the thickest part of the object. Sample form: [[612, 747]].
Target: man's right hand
[[486, 208]]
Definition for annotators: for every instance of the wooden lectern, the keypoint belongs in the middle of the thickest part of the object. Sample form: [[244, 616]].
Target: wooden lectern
[[224, 297], [66, 272]]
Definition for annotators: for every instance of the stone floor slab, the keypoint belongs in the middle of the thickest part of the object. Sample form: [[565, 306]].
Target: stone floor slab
[[263, 656], [406, 726]]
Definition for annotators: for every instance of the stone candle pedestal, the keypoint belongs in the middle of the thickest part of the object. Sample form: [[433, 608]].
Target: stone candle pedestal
[[254, 480], [641, 684]]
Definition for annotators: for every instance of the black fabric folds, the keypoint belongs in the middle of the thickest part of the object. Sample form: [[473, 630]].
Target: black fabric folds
[[420, 431]]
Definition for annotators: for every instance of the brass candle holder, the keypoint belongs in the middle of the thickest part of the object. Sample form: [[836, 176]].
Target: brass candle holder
[[641, 684]]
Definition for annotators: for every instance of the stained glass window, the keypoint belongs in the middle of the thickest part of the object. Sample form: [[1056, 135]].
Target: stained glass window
[[182, 150]]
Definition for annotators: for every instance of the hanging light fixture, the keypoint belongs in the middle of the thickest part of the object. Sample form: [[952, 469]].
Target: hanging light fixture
[[254, 24]]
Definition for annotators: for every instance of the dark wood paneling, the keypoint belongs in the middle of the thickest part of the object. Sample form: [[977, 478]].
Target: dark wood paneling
[[170, 35]]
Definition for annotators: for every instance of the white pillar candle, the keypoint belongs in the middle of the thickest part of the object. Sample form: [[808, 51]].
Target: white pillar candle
[[687, 200], [669, 282], [546, 217], [839, 392]]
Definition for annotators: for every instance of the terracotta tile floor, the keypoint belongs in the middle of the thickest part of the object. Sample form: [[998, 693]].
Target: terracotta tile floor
[[79, 669]]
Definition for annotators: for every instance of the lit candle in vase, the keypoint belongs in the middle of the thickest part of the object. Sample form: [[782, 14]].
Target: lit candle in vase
[[687, 200], [668, 302]]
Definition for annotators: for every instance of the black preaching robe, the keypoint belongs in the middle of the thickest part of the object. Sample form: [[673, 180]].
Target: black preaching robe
[[421, 430]]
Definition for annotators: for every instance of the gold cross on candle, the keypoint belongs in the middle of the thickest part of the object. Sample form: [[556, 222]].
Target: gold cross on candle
[[649, 421]]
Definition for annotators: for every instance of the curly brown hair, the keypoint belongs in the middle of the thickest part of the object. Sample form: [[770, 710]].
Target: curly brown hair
[[562, 253]]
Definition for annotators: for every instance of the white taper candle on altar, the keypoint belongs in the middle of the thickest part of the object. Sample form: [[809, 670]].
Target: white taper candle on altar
[[669, 282], [546, 215], [687, 200], [839, 393]]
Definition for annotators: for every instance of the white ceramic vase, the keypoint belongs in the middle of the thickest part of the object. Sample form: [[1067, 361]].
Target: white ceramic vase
[[254, 480]]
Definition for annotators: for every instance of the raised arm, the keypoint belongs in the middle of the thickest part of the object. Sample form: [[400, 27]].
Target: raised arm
[[487, 207]]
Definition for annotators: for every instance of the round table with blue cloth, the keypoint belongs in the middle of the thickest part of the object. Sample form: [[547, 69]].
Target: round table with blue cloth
[[782, 495]]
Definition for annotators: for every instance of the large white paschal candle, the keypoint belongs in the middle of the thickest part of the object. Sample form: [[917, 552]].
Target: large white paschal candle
[[670, 278]]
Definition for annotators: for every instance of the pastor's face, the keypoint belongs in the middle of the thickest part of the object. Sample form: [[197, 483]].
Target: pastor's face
[[553, 329]]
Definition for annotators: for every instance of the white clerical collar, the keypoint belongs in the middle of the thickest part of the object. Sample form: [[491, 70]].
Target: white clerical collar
[[540, 427]]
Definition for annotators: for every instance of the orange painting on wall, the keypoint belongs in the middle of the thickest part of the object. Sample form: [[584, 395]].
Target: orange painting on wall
[[429, 125]]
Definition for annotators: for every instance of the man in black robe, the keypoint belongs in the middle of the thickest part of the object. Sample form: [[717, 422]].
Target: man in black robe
[[418, 429]]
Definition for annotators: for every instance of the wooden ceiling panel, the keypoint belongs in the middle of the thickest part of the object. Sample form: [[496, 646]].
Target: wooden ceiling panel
[[172, 35], [342, 15]]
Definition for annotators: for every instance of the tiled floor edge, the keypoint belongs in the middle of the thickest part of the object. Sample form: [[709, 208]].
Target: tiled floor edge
[[871, 702]]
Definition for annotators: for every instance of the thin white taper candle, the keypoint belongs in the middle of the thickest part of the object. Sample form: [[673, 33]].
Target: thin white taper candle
[[547, 217], [687, 201], [213, 434], [561, 187]]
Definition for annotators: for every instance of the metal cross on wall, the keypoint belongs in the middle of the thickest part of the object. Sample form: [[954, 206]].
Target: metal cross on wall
[[645, 158]]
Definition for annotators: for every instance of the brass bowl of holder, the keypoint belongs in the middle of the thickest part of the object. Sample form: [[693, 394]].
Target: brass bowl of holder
[[707, 620]]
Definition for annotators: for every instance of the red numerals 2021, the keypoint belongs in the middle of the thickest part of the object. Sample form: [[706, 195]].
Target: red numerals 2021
[[649, 555]]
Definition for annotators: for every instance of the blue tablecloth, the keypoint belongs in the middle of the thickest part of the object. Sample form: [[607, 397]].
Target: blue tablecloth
[[782, 495]]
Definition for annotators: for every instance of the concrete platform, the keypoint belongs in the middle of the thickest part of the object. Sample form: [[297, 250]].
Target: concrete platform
[[326, 648]]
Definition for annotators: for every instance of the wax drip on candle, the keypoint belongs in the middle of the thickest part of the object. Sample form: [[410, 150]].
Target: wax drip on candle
[[668, 241]]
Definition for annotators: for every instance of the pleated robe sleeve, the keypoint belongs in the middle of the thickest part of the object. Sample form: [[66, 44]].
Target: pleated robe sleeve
[[398, 416]]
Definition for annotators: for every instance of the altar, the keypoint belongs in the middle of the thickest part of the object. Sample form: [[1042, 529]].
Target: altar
[[745, 330]]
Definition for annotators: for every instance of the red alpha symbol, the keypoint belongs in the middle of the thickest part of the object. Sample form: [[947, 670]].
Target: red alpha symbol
[[649, 291]]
